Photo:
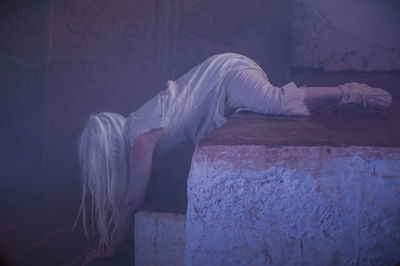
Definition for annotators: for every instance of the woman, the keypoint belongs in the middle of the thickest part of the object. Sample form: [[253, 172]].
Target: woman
[[116, 152]]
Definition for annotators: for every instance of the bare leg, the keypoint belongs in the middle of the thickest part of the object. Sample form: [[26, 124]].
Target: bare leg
[[318, 98]]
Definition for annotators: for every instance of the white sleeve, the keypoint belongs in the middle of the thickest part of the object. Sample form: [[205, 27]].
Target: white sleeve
[[146, 118]]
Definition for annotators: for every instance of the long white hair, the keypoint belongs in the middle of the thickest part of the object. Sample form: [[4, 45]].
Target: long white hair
[[104, 159]]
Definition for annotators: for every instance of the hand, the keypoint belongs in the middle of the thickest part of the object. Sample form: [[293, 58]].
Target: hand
[[95, 254]]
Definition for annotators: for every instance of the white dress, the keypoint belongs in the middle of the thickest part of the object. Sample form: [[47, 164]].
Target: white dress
[[196, 103]]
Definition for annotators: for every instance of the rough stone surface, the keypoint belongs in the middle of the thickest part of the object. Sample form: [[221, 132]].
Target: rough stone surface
[[159, 238], [343, 129], [320, 190], [255, 205], [341, 35]]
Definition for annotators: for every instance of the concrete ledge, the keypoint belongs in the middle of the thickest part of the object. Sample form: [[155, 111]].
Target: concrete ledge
[[159, 238], [320, 190], [256, 205]]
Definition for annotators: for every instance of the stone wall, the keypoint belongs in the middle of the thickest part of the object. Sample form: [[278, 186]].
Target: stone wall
[[22, 49], [342, 35]]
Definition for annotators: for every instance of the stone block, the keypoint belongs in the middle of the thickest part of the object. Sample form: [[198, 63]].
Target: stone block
[[287, 191], [159, 238]]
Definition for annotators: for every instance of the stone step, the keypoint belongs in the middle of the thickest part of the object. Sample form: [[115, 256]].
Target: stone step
[[159, 238]]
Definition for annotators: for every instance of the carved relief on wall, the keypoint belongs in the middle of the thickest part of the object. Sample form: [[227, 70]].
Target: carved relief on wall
[[203, 28], [104, 29]]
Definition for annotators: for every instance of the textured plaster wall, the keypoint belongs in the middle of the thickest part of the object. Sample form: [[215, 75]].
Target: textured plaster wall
[[258, 205], [340, 35], [22, 49]]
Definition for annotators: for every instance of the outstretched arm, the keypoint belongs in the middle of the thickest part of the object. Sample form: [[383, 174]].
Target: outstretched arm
[[140, 161], [140, 167], [320, 97]]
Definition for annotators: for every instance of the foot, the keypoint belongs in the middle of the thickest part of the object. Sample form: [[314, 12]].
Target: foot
[[365, 96]]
